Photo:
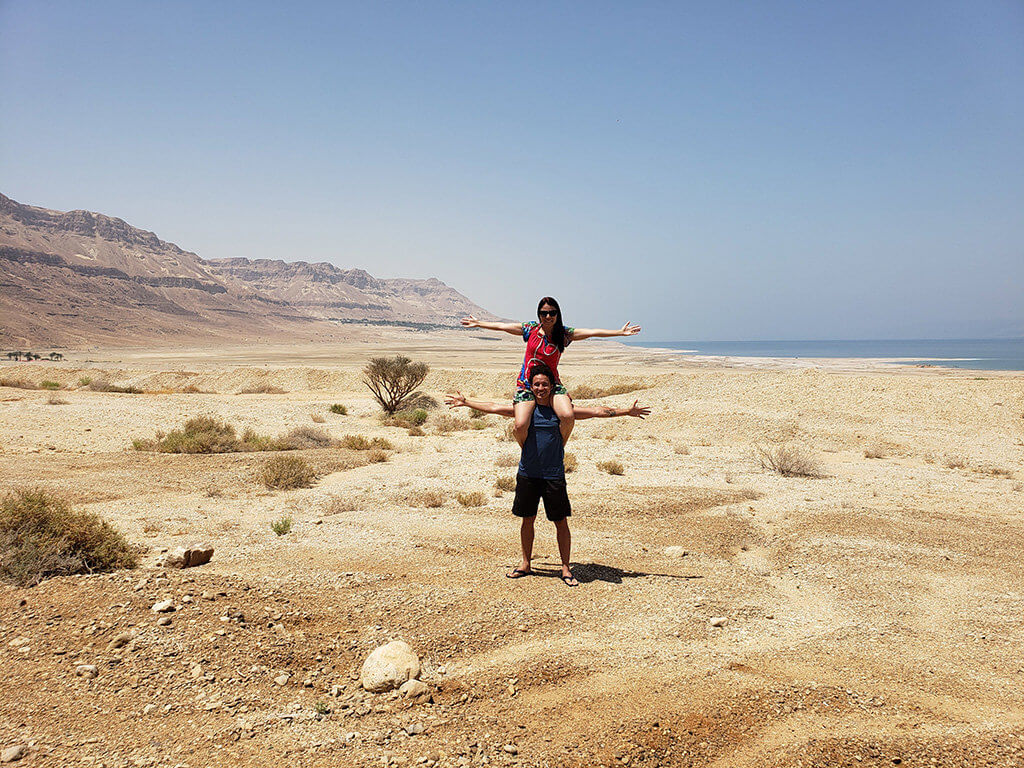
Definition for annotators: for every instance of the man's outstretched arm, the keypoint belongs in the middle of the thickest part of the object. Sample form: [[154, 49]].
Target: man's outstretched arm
[[608, 412]]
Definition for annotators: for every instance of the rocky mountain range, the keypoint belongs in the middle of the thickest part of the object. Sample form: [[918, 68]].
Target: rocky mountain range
[[81, 278]]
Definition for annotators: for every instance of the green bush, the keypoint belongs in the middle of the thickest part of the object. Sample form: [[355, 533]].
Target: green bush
[[339, 409], [51, 385], [205, 434], [282, 526], [41, 535]]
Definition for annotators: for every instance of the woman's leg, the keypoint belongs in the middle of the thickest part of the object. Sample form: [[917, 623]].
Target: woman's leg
[[564, 547], [523, 414], [565, 413]]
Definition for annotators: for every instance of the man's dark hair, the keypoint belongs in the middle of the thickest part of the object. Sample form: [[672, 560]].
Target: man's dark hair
[[542, 369]]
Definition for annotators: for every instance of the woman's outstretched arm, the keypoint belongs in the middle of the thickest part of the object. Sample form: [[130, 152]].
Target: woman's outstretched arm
[[579, 334], [516, 329], [458, 400]]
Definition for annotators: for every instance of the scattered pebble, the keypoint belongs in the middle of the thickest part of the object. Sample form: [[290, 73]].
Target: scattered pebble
[[164, 606], [718, 621], [86, 670], [11, 754]]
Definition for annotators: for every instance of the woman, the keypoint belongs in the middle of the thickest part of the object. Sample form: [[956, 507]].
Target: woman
[[541, 472], [546, 340]]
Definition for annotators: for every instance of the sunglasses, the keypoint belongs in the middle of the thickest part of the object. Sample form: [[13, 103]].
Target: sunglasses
[[546, 313]]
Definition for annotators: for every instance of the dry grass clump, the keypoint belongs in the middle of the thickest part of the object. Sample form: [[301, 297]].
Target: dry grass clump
[[506, 460], [405, 419], [506, 483], [262, 389], [429, 499], [56, 400], [318, 418], [339, 409], [874, 452], [41, 535], [336, 505], [585, 392], [205, 434], [106, 386], [570, 463], [302, 438], [50, 385], [954, 462], [471, 499], [788, 461], [611, 467], [416, 432], [682, 450], [444, 423], [17, 384], [360, 443], [376, 456], [991, 469], [284, 471]]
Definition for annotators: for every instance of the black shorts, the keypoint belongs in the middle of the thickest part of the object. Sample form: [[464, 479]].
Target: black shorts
[[529, 492]]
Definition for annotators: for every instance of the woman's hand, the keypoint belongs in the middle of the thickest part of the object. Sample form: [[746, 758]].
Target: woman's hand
[[470, 322], [456, 401], [639, 411], [628, 330]]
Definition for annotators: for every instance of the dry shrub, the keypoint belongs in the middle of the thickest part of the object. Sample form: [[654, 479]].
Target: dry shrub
[[41, 535], [376, 456], [585, 392], [205, 434], [360, 443], [471, 499], [954, 462], [611, 467], [56, 400], [262, 389], [302, 438], [318, 418], [444, 423], [393, 379], [788, 461], [682, 450], [336, 505], [416, 432], [570, 463], [506, 460], [429, 499], [106, 386], [749, 493], [17, 384], [192, 389], [478, 424], [285, 471], [874, 452], [338, 409], [991, 469], [506, 483]]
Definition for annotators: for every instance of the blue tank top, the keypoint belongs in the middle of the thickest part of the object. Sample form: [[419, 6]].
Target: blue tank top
[[543, 453]]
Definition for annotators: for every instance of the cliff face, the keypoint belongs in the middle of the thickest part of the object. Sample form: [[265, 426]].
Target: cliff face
[[78, 278]]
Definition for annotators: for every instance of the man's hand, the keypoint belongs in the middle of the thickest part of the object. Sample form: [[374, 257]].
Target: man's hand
[[470, 322], [639, 411], [455, 401]]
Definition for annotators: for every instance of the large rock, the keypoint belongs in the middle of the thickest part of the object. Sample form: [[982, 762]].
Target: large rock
[[389, 666], [188, 557]]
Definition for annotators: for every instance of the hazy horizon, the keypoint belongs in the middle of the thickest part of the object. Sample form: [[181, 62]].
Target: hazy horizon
[[766, 172]]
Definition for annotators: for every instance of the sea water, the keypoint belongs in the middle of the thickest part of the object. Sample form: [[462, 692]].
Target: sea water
[[976, 354]]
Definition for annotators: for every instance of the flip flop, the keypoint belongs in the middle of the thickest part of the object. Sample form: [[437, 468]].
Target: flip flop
[[517, 573], [569, 581]]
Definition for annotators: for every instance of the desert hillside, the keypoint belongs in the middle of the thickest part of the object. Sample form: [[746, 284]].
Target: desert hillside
[[77, 278]]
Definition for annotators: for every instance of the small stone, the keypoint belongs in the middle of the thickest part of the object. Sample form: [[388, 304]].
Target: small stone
[[164, 606], [676, 551], [86, 670], [148, 708], [209, 596], [198, 554], [120, 641], [511, 749], [415, 690], [282, 679], [196, 671], [186, 599], [414, 729], [11, 754], [336, 691], [718, 621], [164, 621]]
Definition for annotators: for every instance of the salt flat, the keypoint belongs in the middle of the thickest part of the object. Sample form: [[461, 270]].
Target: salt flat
[[872, 615]]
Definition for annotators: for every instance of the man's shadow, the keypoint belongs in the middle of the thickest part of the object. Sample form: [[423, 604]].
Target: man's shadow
[[586, 573]]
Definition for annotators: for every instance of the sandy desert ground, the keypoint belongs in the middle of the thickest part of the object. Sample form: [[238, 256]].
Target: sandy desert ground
[[872, 617]]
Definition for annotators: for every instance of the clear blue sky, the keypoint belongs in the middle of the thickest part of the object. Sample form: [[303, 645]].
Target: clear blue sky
[[712, 170]]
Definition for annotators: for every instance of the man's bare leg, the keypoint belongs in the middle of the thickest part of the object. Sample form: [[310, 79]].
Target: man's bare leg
[[564, 547], [526, 541]]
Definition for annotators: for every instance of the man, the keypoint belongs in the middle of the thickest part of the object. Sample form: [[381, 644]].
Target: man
[[541, 472]]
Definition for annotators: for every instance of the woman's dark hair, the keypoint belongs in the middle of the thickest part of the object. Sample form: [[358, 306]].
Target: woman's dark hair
[[557, 336], [543, 370]]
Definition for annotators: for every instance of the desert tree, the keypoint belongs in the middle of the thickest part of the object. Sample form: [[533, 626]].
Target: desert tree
[[393, 379]]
